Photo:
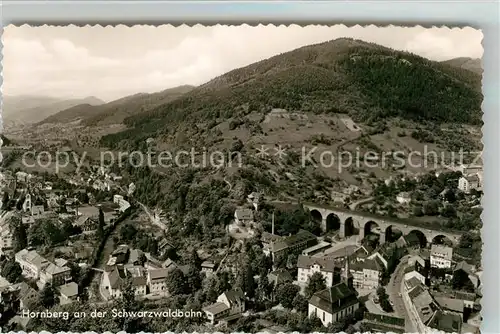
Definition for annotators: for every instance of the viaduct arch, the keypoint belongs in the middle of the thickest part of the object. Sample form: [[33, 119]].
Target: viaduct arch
[[352, 223]]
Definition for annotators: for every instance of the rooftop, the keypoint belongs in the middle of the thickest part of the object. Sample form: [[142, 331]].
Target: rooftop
[[334, 299], [442, 251], [306, 262], [69, 290]]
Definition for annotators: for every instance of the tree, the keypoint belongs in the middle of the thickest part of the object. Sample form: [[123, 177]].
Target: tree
[[286, 293], [384, 299], [176, 283], [5, 199], [128, 295], [100, 226], [12, 271], [264, 288], [47, 296], [315, 283], [431, 208], [193, 279], [20, 237], [461, 281], [194, 260], [300, 303]]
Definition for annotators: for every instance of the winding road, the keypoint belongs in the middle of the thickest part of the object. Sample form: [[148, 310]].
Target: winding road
[[395, 289]]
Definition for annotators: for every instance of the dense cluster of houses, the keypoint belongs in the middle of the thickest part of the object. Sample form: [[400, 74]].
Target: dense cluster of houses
[[147, 274]]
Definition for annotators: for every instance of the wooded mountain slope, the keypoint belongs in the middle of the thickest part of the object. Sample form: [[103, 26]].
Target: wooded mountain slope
[[367, 81]]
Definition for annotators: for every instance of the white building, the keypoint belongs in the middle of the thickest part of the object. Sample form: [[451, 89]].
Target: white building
[[468, 182], [403, 198], [37, 267], [308, 265], [243, 216], [367, 274], [441, 256], [122, 203], [333, 304], [229, 304], [157, 280], [6, 234]]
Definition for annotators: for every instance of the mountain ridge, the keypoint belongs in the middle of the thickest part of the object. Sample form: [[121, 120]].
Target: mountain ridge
[[329, 77], [115, 111]]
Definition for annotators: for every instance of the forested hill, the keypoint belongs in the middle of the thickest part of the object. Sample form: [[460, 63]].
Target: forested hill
[[367, 81]]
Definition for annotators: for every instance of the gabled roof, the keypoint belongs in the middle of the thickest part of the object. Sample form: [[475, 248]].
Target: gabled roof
[[456, 305], [69, 290], [446, 322], [290, 241], [234, 295], [280, 276], [158, 274], [216, 308], [333, 299], [445, 251], [306, 262], [468, 268], [245, 214]]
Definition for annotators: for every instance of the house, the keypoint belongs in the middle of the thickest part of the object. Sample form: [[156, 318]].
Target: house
[[380, 257], [468, 182], [68, 293], [114, 280], [451, 305], [243, 216], [31, 263], [140, 285], [254, 199], [27, 296], [445, 322], [37, 210], [55, 273], [6, 237], [367, 273], [279, 276], [409, 241], [470, 271], [422, 304], [208, 267], [418, 264], [333, 304], [293, 244], [86, 223], [360, 254], [441, 256], [230, 305], [307, 266], [403, 197], [157, 280]]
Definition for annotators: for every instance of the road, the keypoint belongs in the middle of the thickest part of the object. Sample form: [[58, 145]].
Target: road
[[354, 205], [395, 290]]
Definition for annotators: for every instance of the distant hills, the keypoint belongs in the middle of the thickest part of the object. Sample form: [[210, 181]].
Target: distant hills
[[367, 81], [116, 111], [27, 109], [474, 65]]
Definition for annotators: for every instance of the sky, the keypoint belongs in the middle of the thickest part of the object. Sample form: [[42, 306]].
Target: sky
[[112, 62]]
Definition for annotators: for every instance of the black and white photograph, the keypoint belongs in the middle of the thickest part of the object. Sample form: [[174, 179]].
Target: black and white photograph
[[237, 178]]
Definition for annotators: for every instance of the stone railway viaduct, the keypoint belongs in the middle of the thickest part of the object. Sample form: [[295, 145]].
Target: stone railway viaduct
[[368, 223]]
